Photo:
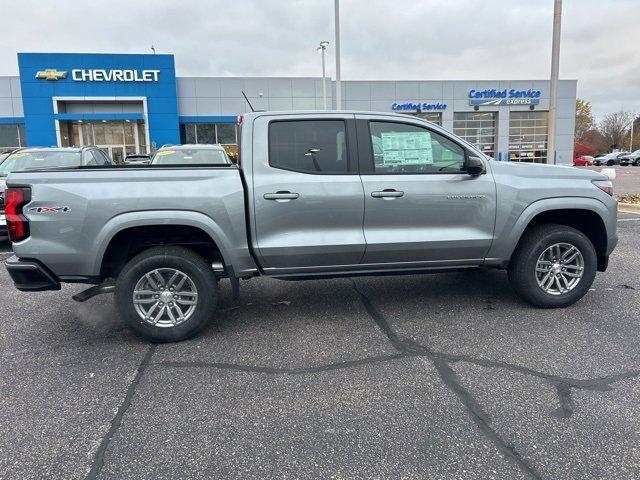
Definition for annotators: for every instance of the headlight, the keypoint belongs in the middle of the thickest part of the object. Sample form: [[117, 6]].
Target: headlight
[[605, 185]]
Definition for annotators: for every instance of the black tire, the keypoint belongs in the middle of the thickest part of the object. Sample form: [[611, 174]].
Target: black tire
[[170, 257], [522, 267], [610, 163]]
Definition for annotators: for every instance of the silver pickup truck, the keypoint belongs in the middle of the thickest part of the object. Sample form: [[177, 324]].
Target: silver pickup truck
[[314, 195]]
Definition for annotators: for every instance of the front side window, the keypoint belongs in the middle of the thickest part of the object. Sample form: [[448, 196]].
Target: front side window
[[309, 146], [403, 148]]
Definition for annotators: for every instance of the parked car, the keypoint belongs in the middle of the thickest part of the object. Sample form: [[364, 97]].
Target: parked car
[[191, 154], [314, 195], [632, 158], [609, 159], [137, 159], [583, 161]]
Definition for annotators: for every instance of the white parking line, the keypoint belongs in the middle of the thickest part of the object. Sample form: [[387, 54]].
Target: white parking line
[[629, 219]]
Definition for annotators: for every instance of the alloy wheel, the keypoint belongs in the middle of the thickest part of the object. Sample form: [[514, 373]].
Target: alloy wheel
[[165, 297], [559, 268]]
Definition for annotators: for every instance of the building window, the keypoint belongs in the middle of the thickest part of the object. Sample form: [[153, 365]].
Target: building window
[[434, 117], [223, 133], [477, 128], [12, 135], [528, 136]]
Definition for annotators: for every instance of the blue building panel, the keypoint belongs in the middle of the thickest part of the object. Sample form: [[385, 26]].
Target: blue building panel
[[44, 76]]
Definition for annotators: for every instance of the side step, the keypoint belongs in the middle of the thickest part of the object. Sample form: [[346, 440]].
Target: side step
[[108, 286]]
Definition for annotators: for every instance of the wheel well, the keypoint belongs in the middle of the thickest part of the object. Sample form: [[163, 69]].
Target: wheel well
[[129, 242], [586, 221]]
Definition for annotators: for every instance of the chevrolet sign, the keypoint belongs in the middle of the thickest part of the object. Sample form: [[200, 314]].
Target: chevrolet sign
[[50, 74], [116, 75]]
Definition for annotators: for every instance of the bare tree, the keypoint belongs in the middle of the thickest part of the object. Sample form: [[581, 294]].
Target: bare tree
[[614, 127]]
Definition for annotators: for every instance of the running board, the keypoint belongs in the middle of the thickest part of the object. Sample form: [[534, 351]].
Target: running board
[[108, 286]]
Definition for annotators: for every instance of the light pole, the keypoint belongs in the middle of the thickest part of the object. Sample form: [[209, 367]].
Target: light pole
[[337, 33], [555, 67], [323, 48]]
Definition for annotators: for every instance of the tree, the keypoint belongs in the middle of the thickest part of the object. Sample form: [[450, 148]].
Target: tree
[[614, 127], [584, 119]]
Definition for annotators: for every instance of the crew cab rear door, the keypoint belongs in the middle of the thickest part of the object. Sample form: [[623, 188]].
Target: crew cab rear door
[[308, 197], [421, 206]]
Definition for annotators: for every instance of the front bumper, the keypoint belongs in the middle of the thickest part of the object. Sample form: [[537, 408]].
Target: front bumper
[[31, 275]]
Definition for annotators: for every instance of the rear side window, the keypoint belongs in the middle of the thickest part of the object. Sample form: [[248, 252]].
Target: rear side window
[[309, 146]]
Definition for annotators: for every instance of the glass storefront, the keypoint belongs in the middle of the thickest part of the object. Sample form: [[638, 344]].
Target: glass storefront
[[226, 134], [12, 135], [478, 128], [528, 136], [117, 138], [435, 117], [222, 133]]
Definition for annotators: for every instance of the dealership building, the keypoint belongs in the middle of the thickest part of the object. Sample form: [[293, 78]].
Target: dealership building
[[129, 103]]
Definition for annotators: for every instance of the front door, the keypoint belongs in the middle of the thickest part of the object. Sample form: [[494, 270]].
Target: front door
[[421, 207], [308, 197]]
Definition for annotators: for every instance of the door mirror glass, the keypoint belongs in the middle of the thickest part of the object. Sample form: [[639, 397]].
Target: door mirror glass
[[475, 165]]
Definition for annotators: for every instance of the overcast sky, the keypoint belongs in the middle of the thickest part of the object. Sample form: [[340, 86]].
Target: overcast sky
[[382, 40]]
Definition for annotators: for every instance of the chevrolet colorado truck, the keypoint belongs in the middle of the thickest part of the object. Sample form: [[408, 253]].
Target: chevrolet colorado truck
[[313, 195]]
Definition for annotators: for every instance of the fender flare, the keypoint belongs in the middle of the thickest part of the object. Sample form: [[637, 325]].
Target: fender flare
[[545, 205], [158, 217]]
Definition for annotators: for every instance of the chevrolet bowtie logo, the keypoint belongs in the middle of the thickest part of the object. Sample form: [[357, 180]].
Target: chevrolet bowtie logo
[[50, 74]]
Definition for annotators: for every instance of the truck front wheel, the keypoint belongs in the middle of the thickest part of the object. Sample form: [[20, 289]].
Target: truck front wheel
[[553, 266], [166, 294]]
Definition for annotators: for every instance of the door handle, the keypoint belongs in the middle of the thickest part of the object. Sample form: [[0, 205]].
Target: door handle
[[387, 193], [281, 196]]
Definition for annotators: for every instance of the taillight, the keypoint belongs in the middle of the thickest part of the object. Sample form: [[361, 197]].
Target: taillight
[[17, 224], [605, 185]]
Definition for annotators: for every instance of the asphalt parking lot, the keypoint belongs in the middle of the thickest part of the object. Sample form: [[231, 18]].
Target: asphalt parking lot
[[435, 376]]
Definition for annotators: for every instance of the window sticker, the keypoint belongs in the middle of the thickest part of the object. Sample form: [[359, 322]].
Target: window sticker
[[164, 153], [407, 148]]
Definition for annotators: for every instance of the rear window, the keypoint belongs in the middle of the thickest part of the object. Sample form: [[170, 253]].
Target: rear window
[[39, 159], [193, 156]]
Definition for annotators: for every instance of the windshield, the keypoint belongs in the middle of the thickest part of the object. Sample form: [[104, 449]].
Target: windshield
[[38, 159], [189, 156]]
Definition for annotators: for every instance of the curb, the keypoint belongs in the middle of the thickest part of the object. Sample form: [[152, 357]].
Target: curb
[[629, 207]]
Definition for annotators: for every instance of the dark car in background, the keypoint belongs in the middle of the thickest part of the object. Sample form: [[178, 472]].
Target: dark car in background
[[610, 159], [632, 158]]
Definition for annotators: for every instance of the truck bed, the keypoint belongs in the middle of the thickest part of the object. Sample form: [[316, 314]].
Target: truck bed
[[74, 213]]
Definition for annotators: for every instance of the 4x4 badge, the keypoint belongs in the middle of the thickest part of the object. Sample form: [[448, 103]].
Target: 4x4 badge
[[50, 209]]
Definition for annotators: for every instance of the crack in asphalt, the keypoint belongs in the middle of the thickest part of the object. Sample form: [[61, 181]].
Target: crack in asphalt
[[406, 348], [452, 382], [98, 460]]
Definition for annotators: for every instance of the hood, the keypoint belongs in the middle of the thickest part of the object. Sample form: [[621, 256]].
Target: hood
[[542, 170]]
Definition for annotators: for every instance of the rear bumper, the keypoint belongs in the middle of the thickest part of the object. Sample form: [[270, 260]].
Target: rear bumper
[[31, 275]]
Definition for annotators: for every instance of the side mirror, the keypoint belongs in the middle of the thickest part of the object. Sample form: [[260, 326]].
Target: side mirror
[[475, 166]]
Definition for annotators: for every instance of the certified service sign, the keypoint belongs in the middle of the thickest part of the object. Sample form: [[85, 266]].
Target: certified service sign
[[504, 97]]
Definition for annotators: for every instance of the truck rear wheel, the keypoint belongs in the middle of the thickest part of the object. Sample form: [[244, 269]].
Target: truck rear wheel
[[166, 294], [553, 266]]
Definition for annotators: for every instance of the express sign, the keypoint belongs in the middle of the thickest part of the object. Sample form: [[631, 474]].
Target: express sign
[[98, 75]]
